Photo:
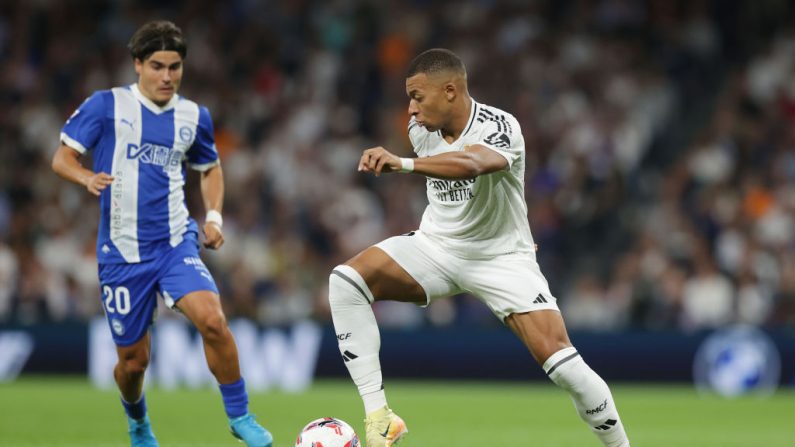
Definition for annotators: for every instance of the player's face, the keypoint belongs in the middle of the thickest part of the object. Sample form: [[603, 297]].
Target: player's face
[[159, 75], [429, 100]]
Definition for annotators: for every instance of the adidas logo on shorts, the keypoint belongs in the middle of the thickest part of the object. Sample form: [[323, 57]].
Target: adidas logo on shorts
[[540, 299]]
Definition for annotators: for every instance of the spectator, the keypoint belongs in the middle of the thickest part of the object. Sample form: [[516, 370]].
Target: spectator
[[657, 138]]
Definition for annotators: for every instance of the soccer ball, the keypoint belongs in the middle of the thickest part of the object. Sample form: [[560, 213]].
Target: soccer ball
[[327, 432]]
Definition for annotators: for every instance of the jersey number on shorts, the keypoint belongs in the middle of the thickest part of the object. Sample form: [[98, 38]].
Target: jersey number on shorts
[[118, 301]]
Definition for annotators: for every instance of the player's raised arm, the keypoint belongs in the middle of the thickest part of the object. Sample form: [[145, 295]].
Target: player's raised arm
[[212, 188], [66, 163], [378, 160], [473, 161]]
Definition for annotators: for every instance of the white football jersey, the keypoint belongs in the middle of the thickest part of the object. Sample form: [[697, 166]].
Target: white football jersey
[[487, 215]]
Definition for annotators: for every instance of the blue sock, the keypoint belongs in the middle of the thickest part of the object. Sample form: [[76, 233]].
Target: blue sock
[[235, 398], [135, 410]]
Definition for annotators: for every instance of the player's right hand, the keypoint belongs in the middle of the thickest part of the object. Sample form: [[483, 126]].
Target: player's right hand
[[213, 236], [97, 182], [378, 160]]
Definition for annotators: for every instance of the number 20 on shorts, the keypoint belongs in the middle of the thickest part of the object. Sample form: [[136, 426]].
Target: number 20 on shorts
[[117, 301]]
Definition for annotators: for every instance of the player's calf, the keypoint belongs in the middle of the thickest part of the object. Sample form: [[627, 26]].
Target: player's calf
[[590, 394], [357, 333]]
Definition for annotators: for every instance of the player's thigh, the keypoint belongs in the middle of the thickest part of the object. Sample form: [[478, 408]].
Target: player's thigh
[[186, 284], [129, 297], [508, 284], [404, 268], [515, 290]]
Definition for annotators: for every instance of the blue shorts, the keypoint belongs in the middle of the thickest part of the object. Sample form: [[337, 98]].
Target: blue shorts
[[129, 291]]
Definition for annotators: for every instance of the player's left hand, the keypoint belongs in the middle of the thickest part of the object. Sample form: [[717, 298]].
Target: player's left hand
[[378, 160], [213, 237]]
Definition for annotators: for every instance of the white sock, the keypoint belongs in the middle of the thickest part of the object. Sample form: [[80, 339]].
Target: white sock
[[590, 394], [357, 333]]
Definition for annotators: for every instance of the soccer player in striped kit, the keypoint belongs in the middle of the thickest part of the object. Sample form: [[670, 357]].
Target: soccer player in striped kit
[[141, 137], [474, 237]]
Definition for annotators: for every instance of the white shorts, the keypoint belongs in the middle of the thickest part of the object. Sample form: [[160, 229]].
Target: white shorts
[[509, 283]]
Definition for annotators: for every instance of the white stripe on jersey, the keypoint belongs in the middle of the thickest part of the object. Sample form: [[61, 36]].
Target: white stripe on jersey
[[71, 142], [204, 167], [124, 189], [186, 122]]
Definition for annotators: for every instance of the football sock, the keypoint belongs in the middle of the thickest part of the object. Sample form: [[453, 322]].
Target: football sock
[[590, 394], [135, 410], [235, 398], [357, 333]]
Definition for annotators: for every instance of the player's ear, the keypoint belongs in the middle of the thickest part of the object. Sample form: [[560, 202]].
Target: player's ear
[[139, 65], [450, 91]]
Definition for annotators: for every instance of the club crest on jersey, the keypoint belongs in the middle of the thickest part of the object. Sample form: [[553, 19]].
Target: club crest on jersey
[[186, 134], [154, 154]]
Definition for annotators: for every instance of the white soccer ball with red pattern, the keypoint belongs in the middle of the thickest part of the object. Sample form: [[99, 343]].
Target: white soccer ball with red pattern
[[327, 432]]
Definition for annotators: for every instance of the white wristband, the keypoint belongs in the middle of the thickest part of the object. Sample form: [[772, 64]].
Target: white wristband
[[406, 165], [214, 217]]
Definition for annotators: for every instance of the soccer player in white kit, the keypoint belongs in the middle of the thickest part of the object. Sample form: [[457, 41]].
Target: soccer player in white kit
[[474, 237]]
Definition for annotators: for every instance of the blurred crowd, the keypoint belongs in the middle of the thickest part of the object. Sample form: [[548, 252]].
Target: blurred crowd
[[660, 138]]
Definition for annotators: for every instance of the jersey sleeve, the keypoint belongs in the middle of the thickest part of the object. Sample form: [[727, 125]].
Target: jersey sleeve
[[203, 154], [503, 137], [84, 128]]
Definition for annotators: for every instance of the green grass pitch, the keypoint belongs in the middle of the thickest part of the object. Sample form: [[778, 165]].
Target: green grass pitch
[[60, 412]]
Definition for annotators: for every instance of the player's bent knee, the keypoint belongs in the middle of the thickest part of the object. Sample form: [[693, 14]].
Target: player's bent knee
[[569, 371], [547, 348], [347, 287], [134, 363], [134, 367], [213, 326]]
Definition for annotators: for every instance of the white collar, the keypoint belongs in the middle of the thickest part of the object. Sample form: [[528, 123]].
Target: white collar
[[472, 111], [156, 109]]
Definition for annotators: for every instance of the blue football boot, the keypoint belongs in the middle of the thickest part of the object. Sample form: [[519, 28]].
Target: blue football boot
[[141, 434], [246, 429]]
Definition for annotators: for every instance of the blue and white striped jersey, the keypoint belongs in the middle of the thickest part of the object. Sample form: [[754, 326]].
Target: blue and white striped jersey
[[144, 147]]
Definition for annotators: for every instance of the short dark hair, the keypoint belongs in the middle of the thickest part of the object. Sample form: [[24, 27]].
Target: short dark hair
[[436, 60], [157, 35]]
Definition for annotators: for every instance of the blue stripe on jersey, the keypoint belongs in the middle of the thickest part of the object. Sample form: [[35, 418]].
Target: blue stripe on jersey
[[103, 160], [203, 153], [84, 128], [144, 147]]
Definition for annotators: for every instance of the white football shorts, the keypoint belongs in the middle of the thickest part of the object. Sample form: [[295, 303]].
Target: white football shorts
[[509, 283]]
